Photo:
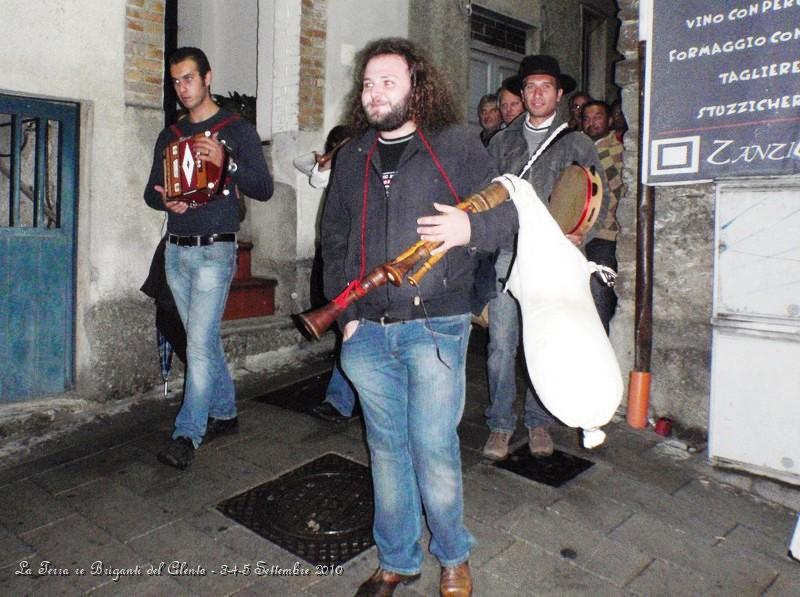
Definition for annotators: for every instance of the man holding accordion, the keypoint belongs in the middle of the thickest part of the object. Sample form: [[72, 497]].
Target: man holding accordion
[[202, 221]]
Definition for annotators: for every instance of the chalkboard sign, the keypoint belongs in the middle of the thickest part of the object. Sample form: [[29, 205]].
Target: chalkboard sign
[[723, 90]]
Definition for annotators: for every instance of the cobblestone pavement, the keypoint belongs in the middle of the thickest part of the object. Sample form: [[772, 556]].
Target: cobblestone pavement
[[647, 519]]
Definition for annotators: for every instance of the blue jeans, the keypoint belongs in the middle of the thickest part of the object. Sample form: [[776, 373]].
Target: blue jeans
[[200, 278], [603, 252], [501, 365], [411, 382], [340, 393]]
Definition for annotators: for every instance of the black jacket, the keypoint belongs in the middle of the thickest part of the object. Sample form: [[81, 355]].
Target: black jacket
[[391, 224]]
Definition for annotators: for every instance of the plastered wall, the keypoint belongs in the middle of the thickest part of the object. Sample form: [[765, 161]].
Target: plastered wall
[[79, 56]]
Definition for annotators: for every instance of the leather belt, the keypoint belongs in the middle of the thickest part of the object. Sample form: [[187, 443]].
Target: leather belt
[[386, 320], [201, 241]]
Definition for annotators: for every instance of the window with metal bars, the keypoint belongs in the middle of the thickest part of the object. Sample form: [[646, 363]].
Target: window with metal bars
[[498, 30], [28, 163]]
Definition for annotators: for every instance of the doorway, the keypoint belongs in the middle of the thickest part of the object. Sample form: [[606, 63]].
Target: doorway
[[38, 203]]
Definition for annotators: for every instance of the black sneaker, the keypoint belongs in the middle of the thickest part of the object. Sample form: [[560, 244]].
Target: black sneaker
[[327, 411], [217, 427], [179, 453]]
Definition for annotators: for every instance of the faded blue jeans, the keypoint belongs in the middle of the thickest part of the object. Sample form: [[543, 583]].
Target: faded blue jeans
[[501, 364], [410, 378], [200, 278], [340, 393]]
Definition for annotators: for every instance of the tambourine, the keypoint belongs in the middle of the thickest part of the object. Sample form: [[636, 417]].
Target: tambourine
[[576, 198]]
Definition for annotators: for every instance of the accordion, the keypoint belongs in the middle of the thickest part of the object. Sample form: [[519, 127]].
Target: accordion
[[188, 178]]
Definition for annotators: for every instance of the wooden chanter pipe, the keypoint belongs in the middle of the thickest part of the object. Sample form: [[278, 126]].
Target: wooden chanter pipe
[[317, 321]]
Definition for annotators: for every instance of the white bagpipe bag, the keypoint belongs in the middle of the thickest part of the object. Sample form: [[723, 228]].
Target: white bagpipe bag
[[570, 359]]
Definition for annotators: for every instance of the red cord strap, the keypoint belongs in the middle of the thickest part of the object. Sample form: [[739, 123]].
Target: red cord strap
[[341, 299], [354, 285], [364, 196], [225, 122], [439, 166]]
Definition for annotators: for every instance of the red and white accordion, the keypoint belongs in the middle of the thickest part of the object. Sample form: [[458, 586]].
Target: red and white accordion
[[188, 178]]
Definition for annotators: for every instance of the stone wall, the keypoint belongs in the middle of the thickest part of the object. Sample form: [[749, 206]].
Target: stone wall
[[682, 268], [442, 28], [144, 52], [313, 26], [92, 49], [561, 36]]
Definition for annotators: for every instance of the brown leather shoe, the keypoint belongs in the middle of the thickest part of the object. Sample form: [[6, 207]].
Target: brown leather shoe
[[540, 443], [456, 581], [383, 583]]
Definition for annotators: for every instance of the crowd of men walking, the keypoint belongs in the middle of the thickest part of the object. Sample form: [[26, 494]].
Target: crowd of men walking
[[401, 167]]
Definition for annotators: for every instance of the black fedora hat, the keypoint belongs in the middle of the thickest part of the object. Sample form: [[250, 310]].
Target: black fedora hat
[[542, 64]]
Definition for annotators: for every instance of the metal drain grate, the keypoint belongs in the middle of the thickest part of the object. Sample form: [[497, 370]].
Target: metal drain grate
[[321, 511], [552, 470]]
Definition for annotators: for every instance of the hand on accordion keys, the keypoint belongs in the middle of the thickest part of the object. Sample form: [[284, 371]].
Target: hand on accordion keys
[[194, 169], [209, 149]]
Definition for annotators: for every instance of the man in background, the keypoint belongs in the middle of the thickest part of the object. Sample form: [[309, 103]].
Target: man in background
[[576, 104], [488, 117], [602, 249], [509, 99], [542, 85], [339, 405]]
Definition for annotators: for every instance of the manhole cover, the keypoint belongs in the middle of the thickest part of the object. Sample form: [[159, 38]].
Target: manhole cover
[[552, 470], [321, 511], [300, 397]]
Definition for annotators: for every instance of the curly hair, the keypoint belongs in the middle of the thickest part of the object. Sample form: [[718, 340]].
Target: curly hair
[[431, 105]]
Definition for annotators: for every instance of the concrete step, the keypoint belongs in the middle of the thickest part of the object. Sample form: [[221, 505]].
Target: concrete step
[[250, 297], [263, 353]]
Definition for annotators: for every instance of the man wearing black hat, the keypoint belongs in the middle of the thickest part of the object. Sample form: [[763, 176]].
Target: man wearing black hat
[[542, 85]]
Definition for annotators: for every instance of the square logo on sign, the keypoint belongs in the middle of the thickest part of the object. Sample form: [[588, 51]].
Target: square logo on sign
[[679, 155]]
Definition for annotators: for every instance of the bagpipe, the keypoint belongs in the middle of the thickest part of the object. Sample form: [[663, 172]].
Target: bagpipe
[[316, 322], [568, 355], [574, 204], [561, 331]]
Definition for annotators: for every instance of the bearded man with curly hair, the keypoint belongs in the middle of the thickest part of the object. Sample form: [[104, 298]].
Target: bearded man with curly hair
[[405, 347]]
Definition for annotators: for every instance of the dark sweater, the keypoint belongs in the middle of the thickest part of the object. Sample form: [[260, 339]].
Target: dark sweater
[[391, 223], [252, 177]]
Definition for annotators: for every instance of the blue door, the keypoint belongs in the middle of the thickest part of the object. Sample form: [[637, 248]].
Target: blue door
[[38, 205]]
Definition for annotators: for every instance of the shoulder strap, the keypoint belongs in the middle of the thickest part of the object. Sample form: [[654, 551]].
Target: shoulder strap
[[439, 166], [223, 123], [220, 125], [562, 131]]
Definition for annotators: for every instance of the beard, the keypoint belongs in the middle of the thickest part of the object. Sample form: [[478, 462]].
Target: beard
[[392, 120], [596, 136]]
